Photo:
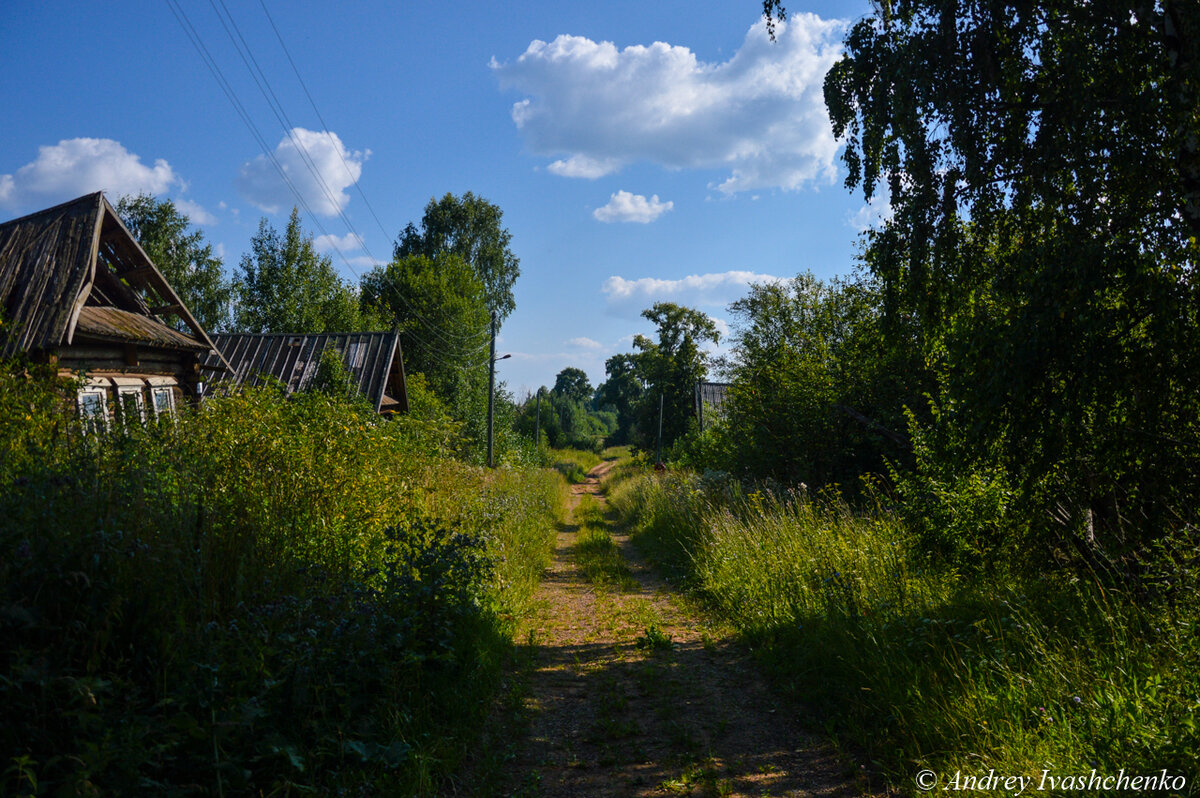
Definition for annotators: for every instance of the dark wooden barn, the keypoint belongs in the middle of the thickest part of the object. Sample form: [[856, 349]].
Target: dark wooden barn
[[708, 401], [373, 360], [78, 291]]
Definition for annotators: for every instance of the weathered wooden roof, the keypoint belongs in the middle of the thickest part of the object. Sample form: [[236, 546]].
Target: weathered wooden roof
[[374, 361], [57, 262], [114, 324]]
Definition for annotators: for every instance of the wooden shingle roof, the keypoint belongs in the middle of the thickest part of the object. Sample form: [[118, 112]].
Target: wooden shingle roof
[[374, 361], [56, 263]]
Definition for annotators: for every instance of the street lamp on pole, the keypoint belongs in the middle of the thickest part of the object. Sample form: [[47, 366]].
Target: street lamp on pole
[[491, 418]]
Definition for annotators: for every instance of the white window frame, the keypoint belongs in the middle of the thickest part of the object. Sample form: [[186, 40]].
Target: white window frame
[[93, 421], [166, 391], [130, 387], [161, 386], [139, 401]]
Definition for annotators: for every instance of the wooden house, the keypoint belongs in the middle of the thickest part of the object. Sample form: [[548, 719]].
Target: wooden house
[[708, 401], [374, 362], [78, 291]]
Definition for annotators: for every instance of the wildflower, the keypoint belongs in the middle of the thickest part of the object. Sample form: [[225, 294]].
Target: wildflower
[[1077, 700]]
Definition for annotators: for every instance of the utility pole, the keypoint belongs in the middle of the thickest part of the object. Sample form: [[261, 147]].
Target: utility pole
[[537, 427], [491, 419], [658, 457], [491, 392]]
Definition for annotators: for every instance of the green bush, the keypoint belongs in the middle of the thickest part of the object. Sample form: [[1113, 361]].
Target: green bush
[[268, 595], [960, 502]]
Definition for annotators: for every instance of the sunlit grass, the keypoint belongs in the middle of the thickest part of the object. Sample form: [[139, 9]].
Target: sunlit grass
[[595, 552], [574, 464], [917, 666]]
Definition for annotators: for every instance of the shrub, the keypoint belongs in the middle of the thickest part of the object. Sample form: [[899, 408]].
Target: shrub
[[271, 594]]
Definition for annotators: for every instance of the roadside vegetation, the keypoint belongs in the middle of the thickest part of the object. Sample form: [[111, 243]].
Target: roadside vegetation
[[595, 551], [951, 497], [917, 664], [271, 596]]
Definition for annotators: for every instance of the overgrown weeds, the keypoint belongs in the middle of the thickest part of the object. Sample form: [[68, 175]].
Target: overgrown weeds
[[574, 464], [596, 552], [272, 596], [923, 667]]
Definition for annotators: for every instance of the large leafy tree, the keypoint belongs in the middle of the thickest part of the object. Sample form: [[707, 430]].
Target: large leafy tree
[[285, 286], [566, 415], [469, 227], [184, 258], [814, 397], [572, 384], [1042, 161], [671, 367], [621, 393], [438, 306]]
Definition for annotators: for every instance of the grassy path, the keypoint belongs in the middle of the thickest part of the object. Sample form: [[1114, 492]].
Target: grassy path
[[632, 694]]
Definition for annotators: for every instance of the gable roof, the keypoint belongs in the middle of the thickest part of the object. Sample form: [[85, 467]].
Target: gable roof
[[77, 268], [374, 361]]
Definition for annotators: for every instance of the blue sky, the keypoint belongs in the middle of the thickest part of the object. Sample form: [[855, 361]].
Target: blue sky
[[641, 152]]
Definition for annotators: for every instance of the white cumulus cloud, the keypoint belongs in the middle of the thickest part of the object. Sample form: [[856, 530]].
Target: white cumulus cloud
[[367, 262], [626, 207], [315, 162], [74, 167], [585, 343], [874, 214], [760, 116], [351, 242], [194, 211], [630, 297], [583, 166]]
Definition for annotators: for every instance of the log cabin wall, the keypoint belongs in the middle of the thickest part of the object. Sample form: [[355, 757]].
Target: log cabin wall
[[77, 290]]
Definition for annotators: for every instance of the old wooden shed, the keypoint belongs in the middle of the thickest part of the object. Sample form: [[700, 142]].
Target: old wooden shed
[[708, 400], [77, 290], [374, 361]]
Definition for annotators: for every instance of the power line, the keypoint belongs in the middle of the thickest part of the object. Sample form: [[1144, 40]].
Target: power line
[[337, 149], [289, 128], [264, 87], [281, 116], [328, 132], [231, 94], [317, 111]]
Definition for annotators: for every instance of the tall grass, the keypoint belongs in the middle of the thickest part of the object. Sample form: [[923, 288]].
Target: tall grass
[[573, 464], [918, 667], [595, 552], [271, 596]]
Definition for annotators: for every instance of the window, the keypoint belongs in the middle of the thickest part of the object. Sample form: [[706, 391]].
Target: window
[[93, 408], [132, 402], [163, 401]]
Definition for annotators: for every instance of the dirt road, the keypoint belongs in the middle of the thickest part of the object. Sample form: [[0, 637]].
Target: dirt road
[[633, 694]]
